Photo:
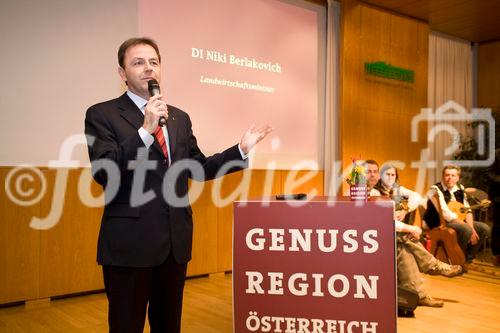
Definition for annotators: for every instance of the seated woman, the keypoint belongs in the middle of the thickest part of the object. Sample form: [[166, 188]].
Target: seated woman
[[406, 200], [412, 257]]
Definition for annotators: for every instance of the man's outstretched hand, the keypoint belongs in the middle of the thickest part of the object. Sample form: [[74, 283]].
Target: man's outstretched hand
[[253, 136]]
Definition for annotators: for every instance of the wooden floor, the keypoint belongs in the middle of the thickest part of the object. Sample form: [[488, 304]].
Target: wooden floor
[[472, 304]]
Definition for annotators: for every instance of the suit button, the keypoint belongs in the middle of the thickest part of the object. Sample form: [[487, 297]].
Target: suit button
[[165, 161]]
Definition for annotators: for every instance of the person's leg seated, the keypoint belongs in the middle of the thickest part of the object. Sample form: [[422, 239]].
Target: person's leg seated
[[409, 277], [464, 233], [483, 231], [429, 264], [407, 271], [424, 259], [127, 290], [165, 305]]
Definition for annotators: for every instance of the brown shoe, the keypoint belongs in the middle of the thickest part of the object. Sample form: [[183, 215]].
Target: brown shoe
[[465, 266], [429, 301], [446, 270]]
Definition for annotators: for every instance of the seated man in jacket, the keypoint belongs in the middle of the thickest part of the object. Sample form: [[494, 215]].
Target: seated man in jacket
[[470, 233]]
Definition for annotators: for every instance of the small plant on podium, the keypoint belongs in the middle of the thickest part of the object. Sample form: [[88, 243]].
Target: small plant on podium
[[357, 181]]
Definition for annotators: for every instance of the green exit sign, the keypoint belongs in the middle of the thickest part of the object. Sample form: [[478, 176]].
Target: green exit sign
[[387, 71]]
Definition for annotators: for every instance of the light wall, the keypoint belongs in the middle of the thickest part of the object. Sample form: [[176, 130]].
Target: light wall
[[58, 58]]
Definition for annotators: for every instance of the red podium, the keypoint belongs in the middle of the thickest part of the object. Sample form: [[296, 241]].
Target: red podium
[[314, 266]]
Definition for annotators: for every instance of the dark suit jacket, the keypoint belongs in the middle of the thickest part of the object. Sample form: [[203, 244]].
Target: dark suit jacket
[[143, 235]]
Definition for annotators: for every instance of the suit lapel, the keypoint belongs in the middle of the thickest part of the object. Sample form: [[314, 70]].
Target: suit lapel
[[131, 113]]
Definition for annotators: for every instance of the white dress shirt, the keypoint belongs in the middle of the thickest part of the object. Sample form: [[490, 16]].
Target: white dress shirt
[[448, 215]]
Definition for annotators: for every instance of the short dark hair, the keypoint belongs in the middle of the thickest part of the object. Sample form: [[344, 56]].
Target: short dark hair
[[133, 42], [372, 162]]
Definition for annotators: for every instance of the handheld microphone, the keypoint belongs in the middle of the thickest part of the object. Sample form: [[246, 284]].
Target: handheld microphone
[[154, 89]]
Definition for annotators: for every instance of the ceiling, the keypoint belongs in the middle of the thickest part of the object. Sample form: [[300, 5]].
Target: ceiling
[[473, 20]]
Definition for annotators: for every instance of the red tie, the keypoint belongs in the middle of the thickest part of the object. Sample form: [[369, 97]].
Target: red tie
[[161, 140]]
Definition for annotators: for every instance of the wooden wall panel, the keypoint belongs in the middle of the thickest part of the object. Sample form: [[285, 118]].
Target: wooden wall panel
[[488, 68], [19, 245], [68, 250], [376, 113], [472, 20], [61, 259], [225, 239], [205, 238], [205, 232], [302, 181]]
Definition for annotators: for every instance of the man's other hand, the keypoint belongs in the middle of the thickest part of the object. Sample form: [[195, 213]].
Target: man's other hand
[[253, 136]]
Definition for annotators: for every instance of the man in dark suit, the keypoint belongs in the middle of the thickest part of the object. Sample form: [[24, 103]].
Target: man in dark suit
[[146, 230]]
